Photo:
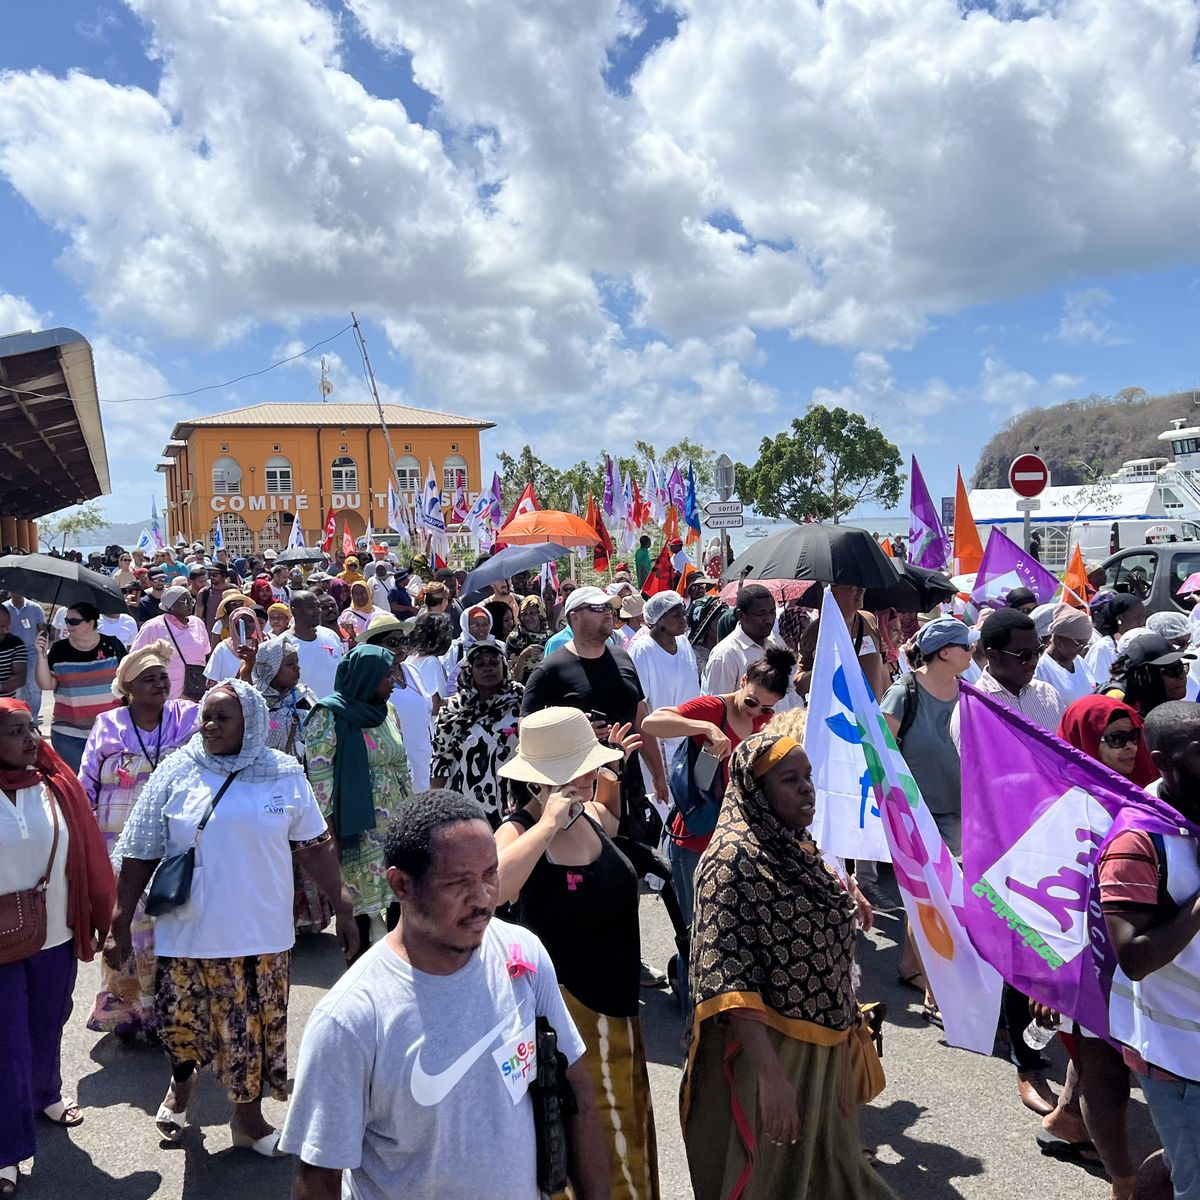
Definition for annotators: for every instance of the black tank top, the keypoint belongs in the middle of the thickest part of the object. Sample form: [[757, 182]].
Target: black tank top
[[587, 918]]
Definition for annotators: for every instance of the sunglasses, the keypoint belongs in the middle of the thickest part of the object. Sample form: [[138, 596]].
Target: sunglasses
[[1118, 741], [768, 710], [1024, 657], [73, 620], [396, 642], [597, 608], [1175, 670]]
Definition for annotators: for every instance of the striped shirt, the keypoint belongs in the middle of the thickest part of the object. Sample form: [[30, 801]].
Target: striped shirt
[[1037, 701], [83, 680], [13, 657]]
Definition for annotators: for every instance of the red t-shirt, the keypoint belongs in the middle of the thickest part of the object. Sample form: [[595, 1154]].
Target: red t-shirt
[[711, 709]]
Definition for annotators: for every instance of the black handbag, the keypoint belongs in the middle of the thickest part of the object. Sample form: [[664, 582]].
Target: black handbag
[[194, 682], [172, 882], [553, 1102]]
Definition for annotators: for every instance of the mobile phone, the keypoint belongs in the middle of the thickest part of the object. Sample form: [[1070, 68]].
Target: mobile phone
[[598, 718], [706, 769]]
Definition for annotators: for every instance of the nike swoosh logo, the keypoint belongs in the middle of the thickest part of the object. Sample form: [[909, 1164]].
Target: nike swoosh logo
[[428, 1090]]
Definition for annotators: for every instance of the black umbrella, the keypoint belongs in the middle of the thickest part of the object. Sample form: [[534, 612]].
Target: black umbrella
[[299, 555], [917, 590], [60, 581], [826, 553], [512, 560]]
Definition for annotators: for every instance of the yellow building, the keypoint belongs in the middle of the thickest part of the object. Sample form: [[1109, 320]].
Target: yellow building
[[259, 469]]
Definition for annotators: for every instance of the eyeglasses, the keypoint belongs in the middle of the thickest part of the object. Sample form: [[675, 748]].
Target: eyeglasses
[[596, 608], [1118, 741], [768, 710], [73, 620], [1175, 670], [1024, 657]]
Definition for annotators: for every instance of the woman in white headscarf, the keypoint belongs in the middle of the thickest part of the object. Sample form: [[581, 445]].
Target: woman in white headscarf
[[224, 955]]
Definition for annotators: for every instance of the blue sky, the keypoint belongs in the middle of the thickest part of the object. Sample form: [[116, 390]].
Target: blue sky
[[595, 220]]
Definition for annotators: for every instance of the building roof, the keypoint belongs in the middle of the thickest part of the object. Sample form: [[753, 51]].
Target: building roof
[[313, 416], [1129, 501], [51, 439]]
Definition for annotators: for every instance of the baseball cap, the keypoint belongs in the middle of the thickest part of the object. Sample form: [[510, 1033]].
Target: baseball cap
[[1153, 650], [660, 604], [197, 571], [583, 596], [172, 596], [156, 573], [942, 632]]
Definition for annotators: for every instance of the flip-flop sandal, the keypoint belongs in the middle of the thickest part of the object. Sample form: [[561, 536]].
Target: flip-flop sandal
[[65, 1112], [1083, 1152], [932, 1014]]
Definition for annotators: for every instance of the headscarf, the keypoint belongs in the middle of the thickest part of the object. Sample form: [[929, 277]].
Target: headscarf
[[230, 603], [153, 654], [1085, 721], [759, 876], [468, 639], [521, 638], [280, 607], [1071, 622], [91, 886], [473, 707], [355, 708], [267, 661], [255, 762], [891, 652], [1107, 609], [369, 604]]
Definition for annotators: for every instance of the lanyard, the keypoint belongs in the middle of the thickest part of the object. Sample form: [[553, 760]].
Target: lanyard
[[157, 747]]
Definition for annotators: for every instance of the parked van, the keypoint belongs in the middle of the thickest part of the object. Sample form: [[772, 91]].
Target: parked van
[[1154, 573]]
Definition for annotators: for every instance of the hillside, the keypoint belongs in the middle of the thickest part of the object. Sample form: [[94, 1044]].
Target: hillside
[[1102, 431]]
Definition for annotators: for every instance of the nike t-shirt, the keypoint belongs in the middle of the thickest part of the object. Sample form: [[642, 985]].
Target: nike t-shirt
[[416, 1085]]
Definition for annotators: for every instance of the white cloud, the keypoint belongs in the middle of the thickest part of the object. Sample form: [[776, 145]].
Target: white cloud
[[1085, 318], [18, 315]]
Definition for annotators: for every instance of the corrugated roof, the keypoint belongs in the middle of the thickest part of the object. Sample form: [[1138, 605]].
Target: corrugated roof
[[341, 415]]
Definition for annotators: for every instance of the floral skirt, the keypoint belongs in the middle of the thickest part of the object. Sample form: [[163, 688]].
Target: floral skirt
[[125, 1003], [232, 1013]]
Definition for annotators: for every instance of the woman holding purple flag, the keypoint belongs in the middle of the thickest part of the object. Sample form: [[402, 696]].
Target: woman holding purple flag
[[1110, 732]]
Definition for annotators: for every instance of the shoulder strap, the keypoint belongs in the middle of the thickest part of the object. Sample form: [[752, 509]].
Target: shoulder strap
[[44, 882], [862, 632], [212, 804], [520, 817], [171, 635], [912, 692], [1160, 852]]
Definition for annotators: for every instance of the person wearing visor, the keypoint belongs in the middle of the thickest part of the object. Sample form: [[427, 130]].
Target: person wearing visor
[[1150, 672]]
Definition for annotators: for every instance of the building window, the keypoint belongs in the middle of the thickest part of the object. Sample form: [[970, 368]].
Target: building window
[[279, 476], [454, 472], [408, 473], [239, 540], [1055, 544], [226, 477], [344, 474]]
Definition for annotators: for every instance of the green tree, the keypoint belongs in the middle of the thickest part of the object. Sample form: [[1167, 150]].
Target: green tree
[[71, 524], [830, 462]]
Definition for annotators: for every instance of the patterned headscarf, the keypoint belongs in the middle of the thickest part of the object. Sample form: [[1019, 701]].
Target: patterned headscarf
[[267, 662], [153, 654], [773, 926]]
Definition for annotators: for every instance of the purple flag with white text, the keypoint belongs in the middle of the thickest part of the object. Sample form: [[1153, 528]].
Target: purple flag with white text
[[1006, 566], [1036, 814], [928, 545]]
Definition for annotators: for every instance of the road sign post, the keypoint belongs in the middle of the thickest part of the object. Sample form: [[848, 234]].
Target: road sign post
[[1028, 476], [725, 481]]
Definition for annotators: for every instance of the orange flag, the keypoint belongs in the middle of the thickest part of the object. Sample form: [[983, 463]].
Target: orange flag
[[671, 525], [1076, 588], [968, 550], [886, 547]]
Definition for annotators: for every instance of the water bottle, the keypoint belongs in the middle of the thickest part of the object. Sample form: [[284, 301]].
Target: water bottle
[[1038, 1037]]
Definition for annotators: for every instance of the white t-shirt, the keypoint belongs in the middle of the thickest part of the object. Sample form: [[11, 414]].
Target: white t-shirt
[[416, 1085], [1100, 658], [433, 673], [121, 626], [26, 835], [414, 709], [319, 660], [668, 680], [1070, 685], [222, 664], [241, 900]]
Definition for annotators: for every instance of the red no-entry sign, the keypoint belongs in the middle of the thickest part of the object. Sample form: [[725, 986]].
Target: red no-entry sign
[[1028, 476]]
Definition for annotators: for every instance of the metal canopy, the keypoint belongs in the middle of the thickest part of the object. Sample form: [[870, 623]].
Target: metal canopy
[[51, 441]]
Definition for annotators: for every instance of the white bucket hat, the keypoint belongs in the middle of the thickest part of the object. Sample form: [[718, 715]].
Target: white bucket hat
[[555, 746]]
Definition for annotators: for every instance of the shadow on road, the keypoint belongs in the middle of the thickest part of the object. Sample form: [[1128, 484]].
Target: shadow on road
[[67, 1161], [924, 1169]]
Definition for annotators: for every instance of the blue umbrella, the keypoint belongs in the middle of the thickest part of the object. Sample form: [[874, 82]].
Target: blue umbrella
[[512, 560]]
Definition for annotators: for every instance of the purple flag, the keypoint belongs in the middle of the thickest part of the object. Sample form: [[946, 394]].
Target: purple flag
[[928, 545], [677, 490], [1036, 816], [1006, 566], [607, 503]]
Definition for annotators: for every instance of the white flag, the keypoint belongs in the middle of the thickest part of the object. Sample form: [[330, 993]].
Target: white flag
[[296, 537]]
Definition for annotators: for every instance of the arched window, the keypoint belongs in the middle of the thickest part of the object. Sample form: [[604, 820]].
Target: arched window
[[454, 471], [408, 473], [226, 476], [344, 474], [279, 476]]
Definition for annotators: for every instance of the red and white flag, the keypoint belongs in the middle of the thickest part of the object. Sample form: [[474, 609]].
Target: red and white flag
[[526, 502], [330, 531]]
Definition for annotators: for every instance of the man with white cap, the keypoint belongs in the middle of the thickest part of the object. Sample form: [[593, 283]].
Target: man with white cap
[[665, 661], [1062, 665]]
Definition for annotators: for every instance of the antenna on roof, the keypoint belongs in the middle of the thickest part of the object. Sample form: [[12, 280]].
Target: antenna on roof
[[325, 386]]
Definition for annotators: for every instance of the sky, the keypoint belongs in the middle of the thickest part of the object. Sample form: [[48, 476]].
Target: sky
[[596, 221]]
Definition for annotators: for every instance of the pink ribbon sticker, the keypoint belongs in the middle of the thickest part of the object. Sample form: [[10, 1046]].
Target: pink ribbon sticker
[[517, 965], [572, 880]]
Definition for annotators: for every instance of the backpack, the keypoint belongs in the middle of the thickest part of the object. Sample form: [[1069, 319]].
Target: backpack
[[697, 807], [912, 692]]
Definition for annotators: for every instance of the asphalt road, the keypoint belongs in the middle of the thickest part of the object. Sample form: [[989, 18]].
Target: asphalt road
[[948, 1125]]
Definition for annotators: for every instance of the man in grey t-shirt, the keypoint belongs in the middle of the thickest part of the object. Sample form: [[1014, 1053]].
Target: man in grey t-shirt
[[415, 1068]]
